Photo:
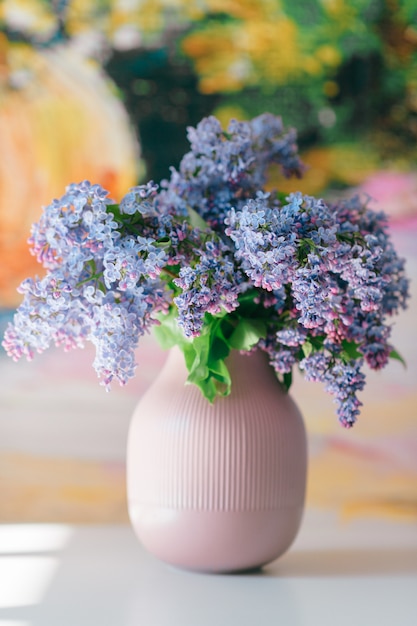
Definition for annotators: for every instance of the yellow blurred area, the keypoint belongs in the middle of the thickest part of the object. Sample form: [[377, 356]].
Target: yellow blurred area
[[261, 40], [242, 9], [346, 164], [217, 59], [240, 53], [61, 489], [260, 43], [358, 484], [340, 11], [62, 124]]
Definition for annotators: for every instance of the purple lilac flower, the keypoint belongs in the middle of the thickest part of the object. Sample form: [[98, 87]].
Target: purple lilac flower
[[211, 285], [342, 380], [139, 199], [283, 360], [292, 337], [274, 300], [275, 145], [131, 259], [116, 327], [113, 323], [74, 228], [335, 264], [266, 257], [330, 267], [316, 366], [100, 287], [224, 169], [33, 326], [375, 346]]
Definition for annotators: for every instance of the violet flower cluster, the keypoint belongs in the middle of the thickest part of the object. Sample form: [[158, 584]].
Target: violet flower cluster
[[342, 280], [217, 263]]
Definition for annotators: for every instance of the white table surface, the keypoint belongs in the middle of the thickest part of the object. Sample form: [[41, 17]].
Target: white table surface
[[336, 574]]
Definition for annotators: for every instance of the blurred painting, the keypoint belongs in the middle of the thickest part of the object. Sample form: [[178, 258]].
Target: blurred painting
[[104, 91]]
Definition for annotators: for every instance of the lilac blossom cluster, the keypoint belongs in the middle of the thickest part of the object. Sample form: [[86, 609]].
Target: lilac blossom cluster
[[342, 279], [101, 286], [226, 168], [211, 285], [309, 283]]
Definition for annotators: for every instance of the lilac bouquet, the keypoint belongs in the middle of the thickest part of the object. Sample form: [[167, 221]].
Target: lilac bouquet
[[213, 262]]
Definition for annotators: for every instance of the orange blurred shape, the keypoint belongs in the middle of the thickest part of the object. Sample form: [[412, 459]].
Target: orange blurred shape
[[63, 124]]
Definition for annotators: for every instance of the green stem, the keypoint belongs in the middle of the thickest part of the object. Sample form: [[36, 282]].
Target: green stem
[[169, 273], [87, 280]]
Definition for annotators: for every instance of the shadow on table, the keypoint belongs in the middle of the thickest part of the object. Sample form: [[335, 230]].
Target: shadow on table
[[363, 562]]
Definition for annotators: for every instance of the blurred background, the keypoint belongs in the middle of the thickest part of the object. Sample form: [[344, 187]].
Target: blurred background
[[104, 90]]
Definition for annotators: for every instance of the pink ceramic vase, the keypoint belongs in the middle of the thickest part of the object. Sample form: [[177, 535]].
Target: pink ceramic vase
[[217, 488]]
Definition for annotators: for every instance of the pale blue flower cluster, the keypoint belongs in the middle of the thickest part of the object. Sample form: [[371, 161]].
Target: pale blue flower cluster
[[100, 287], [312, 283]]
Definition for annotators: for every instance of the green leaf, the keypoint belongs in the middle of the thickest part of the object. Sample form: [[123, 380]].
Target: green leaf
[[210, 375], [397, 356], [189, 354], [115, 210], [248, 307], [213, 386], [205, 354], [219, 371], [198, 367], [247, 334], [168, 333], [163, 243], [248, 296], [196, 220], [219, 348], [287, 380], [208, 388], [306, 245], [317, 342], [307, 348], [350, 349], [281, 196]]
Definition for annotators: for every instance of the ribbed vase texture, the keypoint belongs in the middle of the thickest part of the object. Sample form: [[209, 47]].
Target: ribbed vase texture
[[217, 487]]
